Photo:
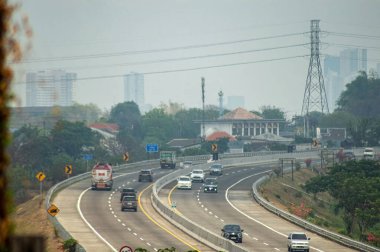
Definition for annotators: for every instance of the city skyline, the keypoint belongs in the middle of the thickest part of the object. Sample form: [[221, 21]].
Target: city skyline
[[243, 48]]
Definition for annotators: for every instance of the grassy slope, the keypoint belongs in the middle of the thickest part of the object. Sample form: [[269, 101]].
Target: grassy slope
[[31, 218], [289, 195]]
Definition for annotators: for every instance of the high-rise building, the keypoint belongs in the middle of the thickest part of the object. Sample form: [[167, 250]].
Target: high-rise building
[[352, 61], [49, 88], [333, 82], [134, 89]]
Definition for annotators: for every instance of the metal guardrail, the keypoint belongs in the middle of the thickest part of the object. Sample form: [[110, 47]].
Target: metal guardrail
[[198, 232], [307, 225]]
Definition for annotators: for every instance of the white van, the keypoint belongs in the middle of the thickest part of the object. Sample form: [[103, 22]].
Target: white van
[[369, 153]]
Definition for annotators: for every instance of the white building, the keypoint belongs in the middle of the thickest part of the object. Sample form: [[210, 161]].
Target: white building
[[49, 88], [134, 89]]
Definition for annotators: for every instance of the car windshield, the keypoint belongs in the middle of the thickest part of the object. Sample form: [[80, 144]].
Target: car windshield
[[188, 162], [197, 172], [145, 172], [210, 182], [219, 166], [184, 179], [129, 198], [299, 237], [232, 228], [128, 190]]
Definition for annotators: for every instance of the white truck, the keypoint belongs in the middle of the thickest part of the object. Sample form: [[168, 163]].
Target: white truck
[[168, 159], [102, 177]]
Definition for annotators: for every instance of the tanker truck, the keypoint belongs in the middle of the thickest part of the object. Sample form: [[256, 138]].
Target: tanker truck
[[102, 177]]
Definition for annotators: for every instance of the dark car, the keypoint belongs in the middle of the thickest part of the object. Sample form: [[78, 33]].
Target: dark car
[[216, 169], [210, 185], [233, 232], [129, 202], [126, 192], [348, 155], [146, 175]]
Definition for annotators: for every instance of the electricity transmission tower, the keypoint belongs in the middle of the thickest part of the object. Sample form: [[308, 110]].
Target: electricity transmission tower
[[315, 94]]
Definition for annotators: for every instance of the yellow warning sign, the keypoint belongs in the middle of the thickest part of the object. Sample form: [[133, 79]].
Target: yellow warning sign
[[214, 148], [68, 169], [40, 176], [53, 210]]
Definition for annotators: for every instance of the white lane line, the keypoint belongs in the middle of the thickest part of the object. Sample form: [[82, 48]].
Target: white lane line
[[141, 238], [255, 238], [249, 217], [206, 209], [129, 229], [115, 215], [266, 244], [210, 212], [148, 244], [123, 224], [221, 220], [88, 224], [216, 216], [118, 220], [277, 249], [155, 249], [112, 212], [135, 234]]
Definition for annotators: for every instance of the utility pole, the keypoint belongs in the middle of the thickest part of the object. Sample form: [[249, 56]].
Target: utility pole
[[315, 94], [203, 110], [221, 109]]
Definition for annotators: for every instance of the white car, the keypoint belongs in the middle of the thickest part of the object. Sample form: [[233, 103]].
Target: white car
[[298, 241], [197, 175], [369, 153], [184, 182]]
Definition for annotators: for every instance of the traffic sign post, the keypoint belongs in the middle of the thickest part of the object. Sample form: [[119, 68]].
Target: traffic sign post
[[126, 156], [87, 157], [151, 148], [41, 177], [53, 210]]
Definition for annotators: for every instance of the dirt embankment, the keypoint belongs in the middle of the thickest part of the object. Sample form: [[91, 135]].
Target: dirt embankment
[[31, 218]]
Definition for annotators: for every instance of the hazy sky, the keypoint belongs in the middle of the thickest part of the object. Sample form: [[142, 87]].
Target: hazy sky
[[100, 38]]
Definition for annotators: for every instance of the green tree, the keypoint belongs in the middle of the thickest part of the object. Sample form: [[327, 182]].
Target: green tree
[[271, 112], [355, 186], [71, 138]]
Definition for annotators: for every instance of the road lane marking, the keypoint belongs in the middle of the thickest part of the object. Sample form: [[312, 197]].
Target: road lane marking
[[249, 217], [159, 225]]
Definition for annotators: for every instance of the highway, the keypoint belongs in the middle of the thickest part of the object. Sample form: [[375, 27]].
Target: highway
[[234, 204], [101, 210]]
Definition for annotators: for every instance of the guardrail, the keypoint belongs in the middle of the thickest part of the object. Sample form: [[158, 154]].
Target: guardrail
[[209, 238], [307, 225]]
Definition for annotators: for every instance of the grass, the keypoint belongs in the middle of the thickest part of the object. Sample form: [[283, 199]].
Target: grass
[[30, 218], [289, 195]]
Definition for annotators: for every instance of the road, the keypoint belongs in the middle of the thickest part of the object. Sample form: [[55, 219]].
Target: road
[[101, 210], [234, 204]]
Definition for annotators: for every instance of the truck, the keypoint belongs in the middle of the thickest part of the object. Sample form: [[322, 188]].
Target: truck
[[101, 177], [168, 159]]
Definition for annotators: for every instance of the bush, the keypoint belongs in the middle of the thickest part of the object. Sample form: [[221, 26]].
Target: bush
[[277, 196], [298, 195], [69, 245]]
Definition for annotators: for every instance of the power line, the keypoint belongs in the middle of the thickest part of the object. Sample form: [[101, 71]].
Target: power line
[[353, 35], [185, 69], [353, 46], [103, 55], [190, 57]]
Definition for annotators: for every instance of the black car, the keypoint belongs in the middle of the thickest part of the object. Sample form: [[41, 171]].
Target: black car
[[146, 175], [129, 202], [216, 169], [210, 185], [233, 232], [127, 192]]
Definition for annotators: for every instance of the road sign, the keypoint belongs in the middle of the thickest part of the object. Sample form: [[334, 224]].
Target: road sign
[[126, 249], [126, 156], [214, 147], [151, 148], [68, 169], [87, 156], [53, 210], [40, 176]]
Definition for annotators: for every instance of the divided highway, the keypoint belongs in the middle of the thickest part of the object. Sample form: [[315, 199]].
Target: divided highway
[[94, 218], [234, 204]]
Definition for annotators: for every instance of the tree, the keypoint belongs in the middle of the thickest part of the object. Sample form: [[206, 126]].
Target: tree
[[271, 112], [355, 186], [159, 125], [71, 137], [127, 116]]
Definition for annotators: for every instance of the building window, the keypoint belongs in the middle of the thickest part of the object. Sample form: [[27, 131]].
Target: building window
[[234, 129], [258, 129], [251, 128], [262, 128], [245, 129], [275, 131], [239, 129]]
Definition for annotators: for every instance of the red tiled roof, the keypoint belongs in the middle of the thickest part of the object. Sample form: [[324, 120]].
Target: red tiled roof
[[240, 114], [110, 127], [220, 134]]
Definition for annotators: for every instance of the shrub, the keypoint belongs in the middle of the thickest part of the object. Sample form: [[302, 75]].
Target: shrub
[[69, 245], [298, 195], [308, 162], [277, 196]]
